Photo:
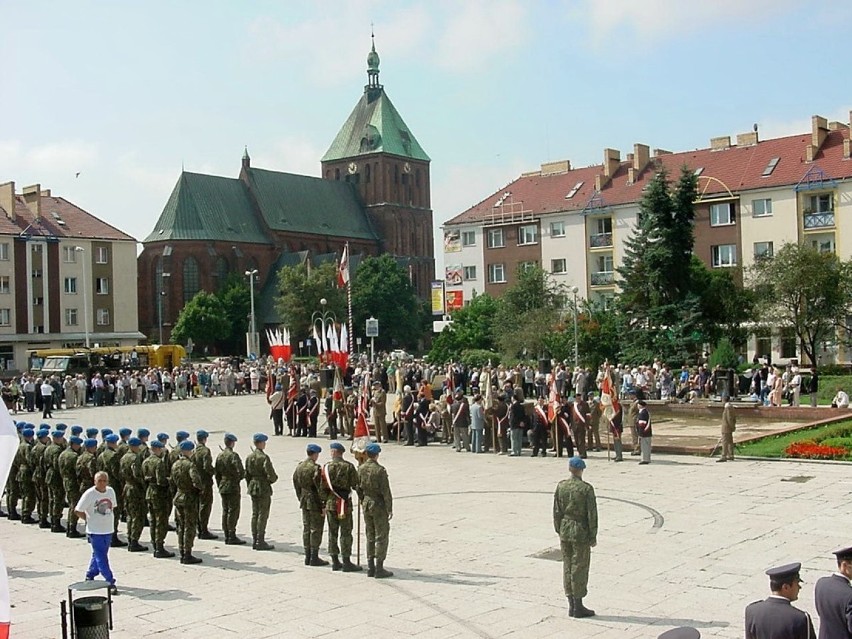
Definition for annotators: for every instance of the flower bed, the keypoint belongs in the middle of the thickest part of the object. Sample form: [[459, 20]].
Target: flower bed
[[812, 450]]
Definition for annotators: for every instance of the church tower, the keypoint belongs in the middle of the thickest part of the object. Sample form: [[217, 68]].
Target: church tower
[[377, 153]]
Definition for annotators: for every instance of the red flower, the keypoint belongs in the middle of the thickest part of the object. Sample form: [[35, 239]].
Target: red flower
[[812, 450]]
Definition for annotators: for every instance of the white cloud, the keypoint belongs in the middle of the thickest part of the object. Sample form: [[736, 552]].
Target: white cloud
[[773, 127]]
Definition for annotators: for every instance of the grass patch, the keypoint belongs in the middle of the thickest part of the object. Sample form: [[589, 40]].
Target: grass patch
[[839, 434]]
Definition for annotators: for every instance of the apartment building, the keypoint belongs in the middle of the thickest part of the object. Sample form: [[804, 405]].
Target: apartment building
[[65, 277], [753, 196]]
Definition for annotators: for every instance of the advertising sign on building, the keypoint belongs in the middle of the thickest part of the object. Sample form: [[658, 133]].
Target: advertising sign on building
[[455, 300], [437, 297], [454, 274], [452, 242]]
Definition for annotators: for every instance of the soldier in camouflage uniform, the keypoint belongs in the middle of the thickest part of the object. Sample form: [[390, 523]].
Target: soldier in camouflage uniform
[[157, 497], [24, 475], [339, 479], [203, 459], [53, 479], [39, 481], [575, 518], [188, 487], [229, 474], [124, 436], [144, 434], [306, 482], [67, 465], [163, 438], [13, 489], [86, 465], [260, 475], [134, 493], [173, 456], [109, 462], [375, 494], [105, 432]]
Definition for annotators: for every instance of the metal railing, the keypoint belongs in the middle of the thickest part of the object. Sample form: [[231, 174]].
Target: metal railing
[[602, 278], [818, 220], [600, 240]]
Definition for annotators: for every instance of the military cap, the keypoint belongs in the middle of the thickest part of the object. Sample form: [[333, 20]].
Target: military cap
[[201, 434], [259, 437], [181, 435], [642, 402], [844, 554], [143, 432], [278, 387], [337, 446], [44, 426], [106, 431], [230, 437], [91, 443], [61, 426], [75, 440], [134, 441], [57, 434], [157, 444], [784, 573], [42, 432], [92, 432], [313, 448], [373, 449], [377, 383], [163, 437], [577, 463], [112, 438], [19, 426], [125, 432], [76, 430], [28, 432], [685, 632], [186, 445]]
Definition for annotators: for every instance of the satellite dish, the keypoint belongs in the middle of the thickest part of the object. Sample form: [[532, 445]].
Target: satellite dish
[[755, 127]]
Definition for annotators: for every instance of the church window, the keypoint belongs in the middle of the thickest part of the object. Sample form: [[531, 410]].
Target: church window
[[405, 178], [417, 178], [220, 272], [191, 281], [367, 173], [396, 174], [336, 174]]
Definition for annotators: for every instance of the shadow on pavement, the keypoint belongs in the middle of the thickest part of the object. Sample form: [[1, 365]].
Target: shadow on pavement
[[156, 595], [455, 578], [214, 561], [33, 574], [662, 621]]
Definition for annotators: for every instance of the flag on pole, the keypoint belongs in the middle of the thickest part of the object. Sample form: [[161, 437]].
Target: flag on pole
[[343, 268], [609, 398], [318, 342], [8, 447], [361, 436]]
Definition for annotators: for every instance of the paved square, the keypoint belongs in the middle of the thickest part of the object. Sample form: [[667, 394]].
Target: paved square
[[683, 541]]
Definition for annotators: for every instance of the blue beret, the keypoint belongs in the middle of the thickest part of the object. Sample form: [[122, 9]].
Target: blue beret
[[259, 437], [337, 446], [75, 440], [76, 430], [19, 426], [42, 432], [314, 448], [91, 443], [61, 426], [186, 445], [163, 437], [230, 437], [201, 434], [57, 434], [124, 432], [111, 438], [44, 426], [373, 449], [28, 432], [181, 435], [92, 432], [106, 431], [278, 387], [143, 432], [134, 441], [576, 462], [157, 444]]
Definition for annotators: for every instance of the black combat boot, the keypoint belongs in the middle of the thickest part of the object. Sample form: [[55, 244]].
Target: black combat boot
[[135, 546], [261, 544], [570, 606], [307, 556], [73, 533], [371, 567], [348, 566], [43, 523], [189, 559], [57, 526], [116, 541], [580, 610], [381, 573], [28, 519], [13, 514], [206, 534], [315, 558], [231, 539], [161, 553], [335, 563]]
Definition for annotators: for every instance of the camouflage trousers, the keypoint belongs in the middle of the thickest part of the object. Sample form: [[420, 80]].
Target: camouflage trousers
[[134, 504], [205, 506], [230, 512], [28, 497], [341, 528], [186, 515], [378, 531], [576, 558], [312, 525], [42, 499], [158, 507], [56, 500], [72, 496], [13, 494], [259, 515]]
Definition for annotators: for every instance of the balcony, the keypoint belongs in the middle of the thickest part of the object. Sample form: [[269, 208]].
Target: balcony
[[600, 240], [818, 220], [602, 278]]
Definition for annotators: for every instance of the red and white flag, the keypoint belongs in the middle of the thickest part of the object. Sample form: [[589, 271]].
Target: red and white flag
[[343, 268], [8, 447]]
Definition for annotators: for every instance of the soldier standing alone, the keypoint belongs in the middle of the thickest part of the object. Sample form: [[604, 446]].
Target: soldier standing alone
[[340, 478], [203, 459], [260, 475], [575, 518], [229, 474], [306, 483], [188, 487], [375, 493]]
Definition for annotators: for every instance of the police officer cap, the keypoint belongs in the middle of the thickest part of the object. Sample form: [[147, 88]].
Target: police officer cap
[[201, 434], [314, 448], [134, 441], [186, 445], [686, 632], [844, 554], [28, 432], [576, 463], [75, 440], [259, 437], [230, 437], [124, 432], [58, 434], [61, 426], [785, 572], [91, 443], [163, 437], [181, 435], [92, 432], [112, 438], [373, 449], [42, 432], [76, 430], [143, 432], [157, 444], [105, 432], [337, 446]]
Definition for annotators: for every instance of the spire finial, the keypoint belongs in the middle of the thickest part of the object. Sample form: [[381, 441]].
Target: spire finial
[[373, 36], [373, 62]]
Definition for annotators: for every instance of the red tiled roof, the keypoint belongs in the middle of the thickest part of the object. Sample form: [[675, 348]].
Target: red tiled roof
[[740, 168], [78, 223]]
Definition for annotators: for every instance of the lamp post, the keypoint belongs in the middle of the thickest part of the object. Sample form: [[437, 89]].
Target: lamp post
[[81, 250], [575, 290], [325, 318], [251, 343], [160, 302]]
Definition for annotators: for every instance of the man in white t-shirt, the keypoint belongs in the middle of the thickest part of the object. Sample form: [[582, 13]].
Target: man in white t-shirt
[[96, 509]]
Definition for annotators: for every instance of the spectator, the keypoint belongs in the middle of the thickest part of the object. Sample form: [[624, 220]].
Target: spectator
[[813, 387], [95, 507], [841, 399]]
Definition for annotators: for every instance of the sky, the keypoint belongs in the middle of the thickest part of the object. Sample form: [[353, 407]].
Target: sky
[[128, 93]]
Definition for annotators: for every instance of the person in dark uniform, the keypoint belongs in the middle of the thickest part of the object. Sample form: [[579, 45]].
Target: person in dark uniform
[[301, 411], [563, 428], [313, 413], [833, 598], [775, 617]]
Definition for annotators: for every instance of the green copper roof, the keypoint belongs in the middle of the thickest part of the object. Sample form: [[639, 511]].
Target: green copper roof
[[208, 207], [374, 126]]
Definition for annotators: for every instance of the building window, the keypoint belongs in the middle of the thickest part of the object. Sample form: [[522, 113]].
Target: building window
[[367, 172], [71, 285], [527, 234], [604, 225], [220, 272], [70, 317], [557, 229], [721, 214], [559, 266], [469, 273], [761, 207], [103, 317], [523, 267], [496, 238], [5, 285], [102, 255], [69, 254], [724, 255], [468, 238], [763, 249], [821, 203], [496, 273], [4, 251], [36, 273], [102, 286], [191, 284], [5, 316], [605, 264], [823, 246], [36, 248], [38, 301], [788, 344], [763, 344]]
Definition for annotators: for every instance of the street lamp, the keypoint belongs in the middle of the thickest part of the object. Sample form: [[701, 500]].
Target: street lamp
[[80, 249], [575, 290], [325, 318], [160, 302], [251, 343]]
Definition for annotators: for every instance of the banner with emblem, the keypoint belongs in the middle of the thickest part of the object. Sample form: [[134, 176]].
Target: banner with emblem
[[8, 447]]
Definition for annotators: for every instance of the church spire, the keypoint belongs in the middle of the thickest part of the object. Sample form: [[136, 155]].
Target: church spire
[[373, 85], [246, 159]]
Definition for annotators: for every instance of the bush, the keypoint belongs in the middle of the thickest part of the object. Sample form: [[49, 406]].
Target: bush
[[837, 442], [723, 355], [478, 358]]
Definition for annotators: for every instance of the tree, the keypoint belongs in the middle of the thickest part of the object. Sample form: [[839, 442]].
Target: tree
[[236, 302], [302, 288], [726, 306], [528, 312], [807, 291], [472, 328], [203, 320]]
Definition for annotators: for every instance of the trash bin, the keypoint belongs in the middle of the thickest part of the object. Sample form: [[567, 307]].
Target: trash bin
[[91, 618]]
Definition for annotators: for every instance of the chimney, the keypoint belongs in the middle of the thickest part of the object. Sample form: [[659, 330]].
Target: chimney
[[45, 193], [659, 152], [720, 143], [32, 198], [747, 139], [819, 131], [612, 159], [837, 126], [552, 168], [7, 199], [641, 157]]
